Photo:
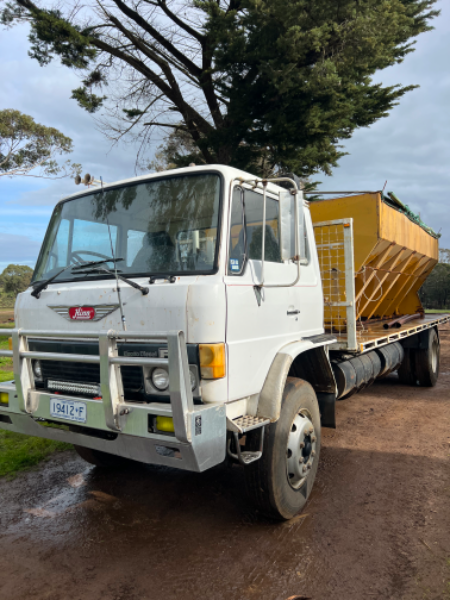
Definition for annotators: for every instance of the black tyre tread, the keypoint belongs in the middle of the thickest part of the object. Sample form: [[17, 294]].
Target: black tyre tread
[[422, 363], [258, 474], [256, 477], [407, 370], [101, 459]]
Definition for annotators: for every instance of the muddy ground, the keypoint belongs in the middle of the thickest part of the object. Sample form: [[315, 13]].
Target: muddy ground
[[377, 524]]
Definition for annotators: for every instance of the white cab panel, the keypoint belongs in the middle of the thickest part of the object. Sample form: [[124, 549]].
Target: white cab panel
[[256, 331]]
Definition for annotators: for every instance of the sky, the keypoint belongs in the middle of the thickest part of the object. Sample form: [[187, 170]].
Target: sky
[[410, 148]]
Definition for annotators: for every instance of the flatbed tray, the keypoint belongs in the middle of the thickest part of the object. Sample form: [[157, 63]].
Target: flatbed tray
[[374, 335]]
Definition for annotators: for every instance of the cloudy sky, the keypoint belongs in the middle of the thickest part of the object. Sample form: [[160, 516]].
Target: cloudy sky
[[410, 149]]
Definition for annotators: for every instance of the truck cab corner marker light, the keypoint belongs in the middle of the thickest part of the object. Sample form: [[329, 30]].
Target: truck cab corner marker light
[[212, 361], [4, 398]]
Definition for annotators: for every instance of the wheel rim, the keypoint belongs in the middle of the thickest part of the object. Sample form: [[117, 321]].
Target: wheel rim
[[434, 356], [301, 449]]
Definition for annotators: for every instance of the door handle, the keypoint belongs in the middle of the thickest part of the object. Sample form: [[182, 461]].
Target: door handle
[[293, 312]]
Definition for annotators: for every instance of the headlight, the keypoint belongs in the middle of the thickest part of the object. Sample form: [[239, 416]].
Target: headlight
[[160, 379], [37, 370]]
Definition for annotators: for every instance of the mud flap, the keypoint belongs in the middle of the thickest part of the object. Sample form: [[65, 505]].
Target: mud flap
[[327, 407]]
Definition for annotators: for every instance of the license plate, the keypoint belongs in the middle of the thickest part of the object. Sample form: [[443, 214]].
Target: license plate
[[68, 409]]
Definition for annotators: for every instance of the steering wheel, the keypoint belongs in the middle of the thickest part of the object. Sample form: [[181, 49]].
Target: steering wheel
[[75, 255]]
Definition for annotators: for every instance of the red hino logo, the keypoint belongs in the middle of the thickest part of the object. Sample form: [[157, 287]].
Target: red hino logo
[[82, 313]]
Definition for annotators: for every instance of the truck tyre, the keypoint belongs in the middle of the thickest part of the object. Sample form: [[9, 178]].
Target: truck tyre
[[281, 481], [101, 459], [407, 370], [427, 361]]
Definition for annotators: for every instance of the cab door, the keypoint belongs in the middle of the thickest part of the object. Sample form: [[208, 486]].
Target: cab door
[[259, 320]]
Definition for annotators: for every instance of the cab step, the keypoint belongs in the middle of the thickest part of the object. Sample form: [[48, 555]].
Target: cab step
[[240, 426], [246, 423]]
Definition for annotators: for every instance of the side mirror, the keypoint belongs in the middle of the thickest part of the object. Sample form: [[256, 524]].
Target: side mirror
[[288, 227]]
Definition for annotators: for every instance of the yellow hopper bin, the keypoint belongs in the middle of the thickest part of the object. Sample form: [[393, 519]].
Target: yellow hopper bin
[[392, 255]]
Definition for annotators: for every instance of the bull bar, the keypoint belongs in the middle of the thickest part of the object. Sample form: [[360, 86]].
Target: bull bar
[[199, 440]]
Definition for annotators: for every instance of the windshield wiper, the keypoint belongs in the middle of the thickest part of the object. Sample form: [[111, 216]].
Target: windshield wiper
[[95, 267], [37, 289], [86, 268]]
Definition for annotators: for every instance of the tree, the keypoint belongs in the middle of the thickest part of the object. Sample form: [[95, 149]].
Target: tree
[[27, 148], [257, 84], [435, 292], [178, 150], [16, 279]]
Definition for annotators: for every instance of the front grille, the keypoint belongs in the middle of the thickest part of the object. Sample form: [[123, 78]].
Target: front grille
[[66, 371], [85, 373], [132, 377]]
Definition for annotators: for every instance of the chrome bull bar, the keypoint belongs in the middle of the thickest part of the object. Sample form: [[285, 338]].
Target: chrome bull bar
[[115, 408]]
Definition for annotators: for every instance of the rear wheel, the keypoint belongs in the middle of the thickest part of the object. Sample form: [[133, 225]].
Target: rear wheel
[[281, 481], [101, 459], [407, 370], [426, 361]]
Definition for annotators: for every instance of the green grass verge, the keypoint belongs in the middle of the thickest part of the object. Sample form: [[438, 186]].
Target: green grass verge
[[431, 311], [19, 452], [5, 363]]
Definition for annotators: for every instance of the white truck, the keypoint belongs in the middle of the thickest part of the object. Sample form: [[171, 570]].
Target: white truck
[[178, 317]]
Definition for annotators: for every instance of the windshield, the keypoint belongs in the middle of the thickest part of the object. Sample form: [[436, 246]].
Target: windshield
[[167, 226]]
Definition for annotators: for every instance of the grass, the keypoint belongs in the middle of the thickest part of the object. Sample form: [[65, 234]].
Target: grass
[[19, 452], [431, 311], [5, 363], [6, 301], [6, 376]]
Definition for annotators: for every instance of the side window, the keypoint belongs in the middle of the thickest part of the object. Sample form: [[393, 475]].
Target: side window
[[254, 220], [237, 234], [254, 229]]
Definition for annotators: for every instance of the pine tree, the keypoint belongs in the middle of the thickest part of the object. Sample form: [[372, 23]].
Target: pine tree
[[257, 84]]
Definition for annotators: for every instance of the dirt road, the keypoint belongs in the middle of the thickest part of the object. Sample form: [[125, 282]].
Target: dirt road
[[377, 524]]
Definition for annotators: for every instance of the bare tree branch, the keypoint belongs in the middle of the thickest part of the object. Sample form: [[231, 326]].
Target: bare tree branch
[[192, 68]]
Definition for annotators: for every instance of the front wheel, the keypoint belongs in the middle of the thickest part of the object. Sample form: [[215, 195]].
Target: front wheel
[[281, 481]]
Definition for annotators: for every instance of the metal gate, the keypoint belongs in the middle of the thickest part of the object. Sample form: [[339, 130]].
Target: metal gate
[[334, 241]]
